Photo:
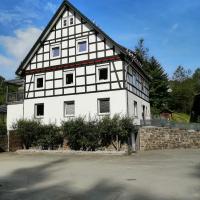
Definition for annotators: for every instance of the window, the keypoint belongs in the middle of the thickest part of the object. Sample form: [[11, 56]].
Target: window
[[102, 73], [39, 110], [39, 82], [55, 51], [82, 46], [68, 21], [71, 20], [104, 106], [135, 109], [69, 78], [65, 22], [69, 108]]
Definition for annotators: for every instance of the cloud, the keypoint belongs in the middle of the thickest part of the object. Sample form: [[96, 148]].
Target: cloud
[[50, 7], [16, 47], [6, 62]]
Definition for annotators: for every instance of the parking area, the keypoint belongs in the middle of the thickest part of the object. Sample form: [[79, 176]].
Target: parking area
[[154, 175]]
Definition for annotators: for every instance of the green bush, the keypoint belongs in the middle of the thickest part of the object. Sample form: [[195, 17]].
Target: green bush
[[28, 130], [48, 137], [81, 135], [3, 128]]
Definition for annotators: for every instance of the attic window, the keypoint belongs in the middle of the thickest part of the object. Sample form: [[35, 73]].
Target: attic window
[[68, 21], [71, 20], [65, 22]]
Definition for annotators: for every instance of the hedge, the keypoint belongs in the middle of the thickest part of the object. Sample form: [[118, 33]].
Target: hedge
[[81, 134]]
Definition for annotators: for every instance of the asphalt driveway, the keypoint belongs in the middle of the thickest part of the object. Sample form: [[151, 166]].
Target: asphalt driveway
[[155, 175]]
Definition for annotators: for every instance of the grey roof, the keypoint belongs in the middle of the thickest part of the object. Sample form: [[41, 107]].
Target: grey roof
[[18, 82], [3, 109]]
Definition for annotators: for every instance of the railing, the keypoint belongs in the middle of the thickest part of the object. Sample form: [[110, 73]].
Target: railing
[[15, 97], [170, 124]]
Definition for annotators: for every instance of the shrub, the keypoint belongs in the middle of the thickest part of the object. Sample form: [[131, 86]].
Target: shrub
[[49, 136], [81, 135], [92, 134], [3, 128], [28, 130]]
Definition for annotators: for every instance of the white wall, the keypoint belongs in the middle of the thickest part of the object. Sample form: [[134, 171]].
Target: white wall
[[140, 103], [85, 105], [14, 113]]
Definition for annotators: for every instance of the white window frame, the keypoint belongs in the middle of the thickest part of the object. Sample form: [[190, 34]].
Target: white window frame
[[77, 46], [65, 104], [71, 71], [35, 111], [102, 67], [98, 106], [51, 51], [37, 77]]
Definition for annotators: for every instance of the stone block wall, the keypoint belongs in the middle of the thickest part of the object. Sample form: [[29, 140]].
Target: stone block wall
[[152, 138]]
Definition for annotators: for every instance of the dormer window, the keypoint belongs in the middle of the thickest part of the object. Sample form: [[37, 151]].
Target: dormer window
[[55, 51]]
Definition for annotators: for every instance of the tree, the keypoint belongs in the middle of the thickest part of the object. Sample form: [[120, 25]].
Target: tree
[[159, 86], [2, 90], [196, 78], [181, 74], [183, 91]]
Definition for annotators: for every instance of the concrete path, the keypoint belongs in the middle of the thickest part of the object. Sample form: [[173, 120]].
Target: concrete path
[[155, 175]]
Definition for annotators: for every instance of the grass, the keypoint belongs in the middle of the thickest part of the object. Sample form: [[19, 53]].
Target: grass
[[180, 117]]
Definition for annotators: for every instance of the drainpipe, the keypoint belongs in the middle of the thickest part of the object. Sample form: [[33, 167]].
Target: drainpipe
[[8, 135]]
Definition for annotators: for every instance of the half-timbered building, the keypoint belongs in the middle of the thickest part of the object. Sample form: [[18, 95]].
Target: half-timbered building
[[75, 69]]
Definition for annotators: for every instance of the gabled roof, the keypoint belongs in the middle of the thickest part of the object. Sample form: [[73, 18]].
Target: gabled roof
[[66, 4]]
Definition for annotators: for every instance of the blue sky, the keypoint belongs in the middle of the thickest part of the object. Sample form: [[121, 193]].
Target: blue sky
[[170, 28]]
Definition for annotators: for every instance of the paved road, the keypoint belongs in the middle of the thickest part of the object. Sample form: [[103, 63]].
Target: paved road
[[155, 175]]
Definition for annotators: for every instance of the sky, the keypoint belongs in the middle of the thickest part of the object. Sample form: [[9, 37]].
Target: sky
[[170, 28]]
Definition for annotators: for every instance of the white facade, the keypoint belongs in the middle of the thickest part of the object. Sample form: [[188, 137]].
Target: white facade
[[75, 63]]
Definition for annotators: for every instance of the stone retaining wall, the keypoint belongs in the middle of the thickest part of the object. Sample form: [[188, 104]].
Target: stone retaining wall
[[152, 138]]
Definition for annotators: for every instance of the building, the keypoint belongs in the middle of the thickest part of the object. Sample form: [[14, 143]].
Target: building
[[75, 69]]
